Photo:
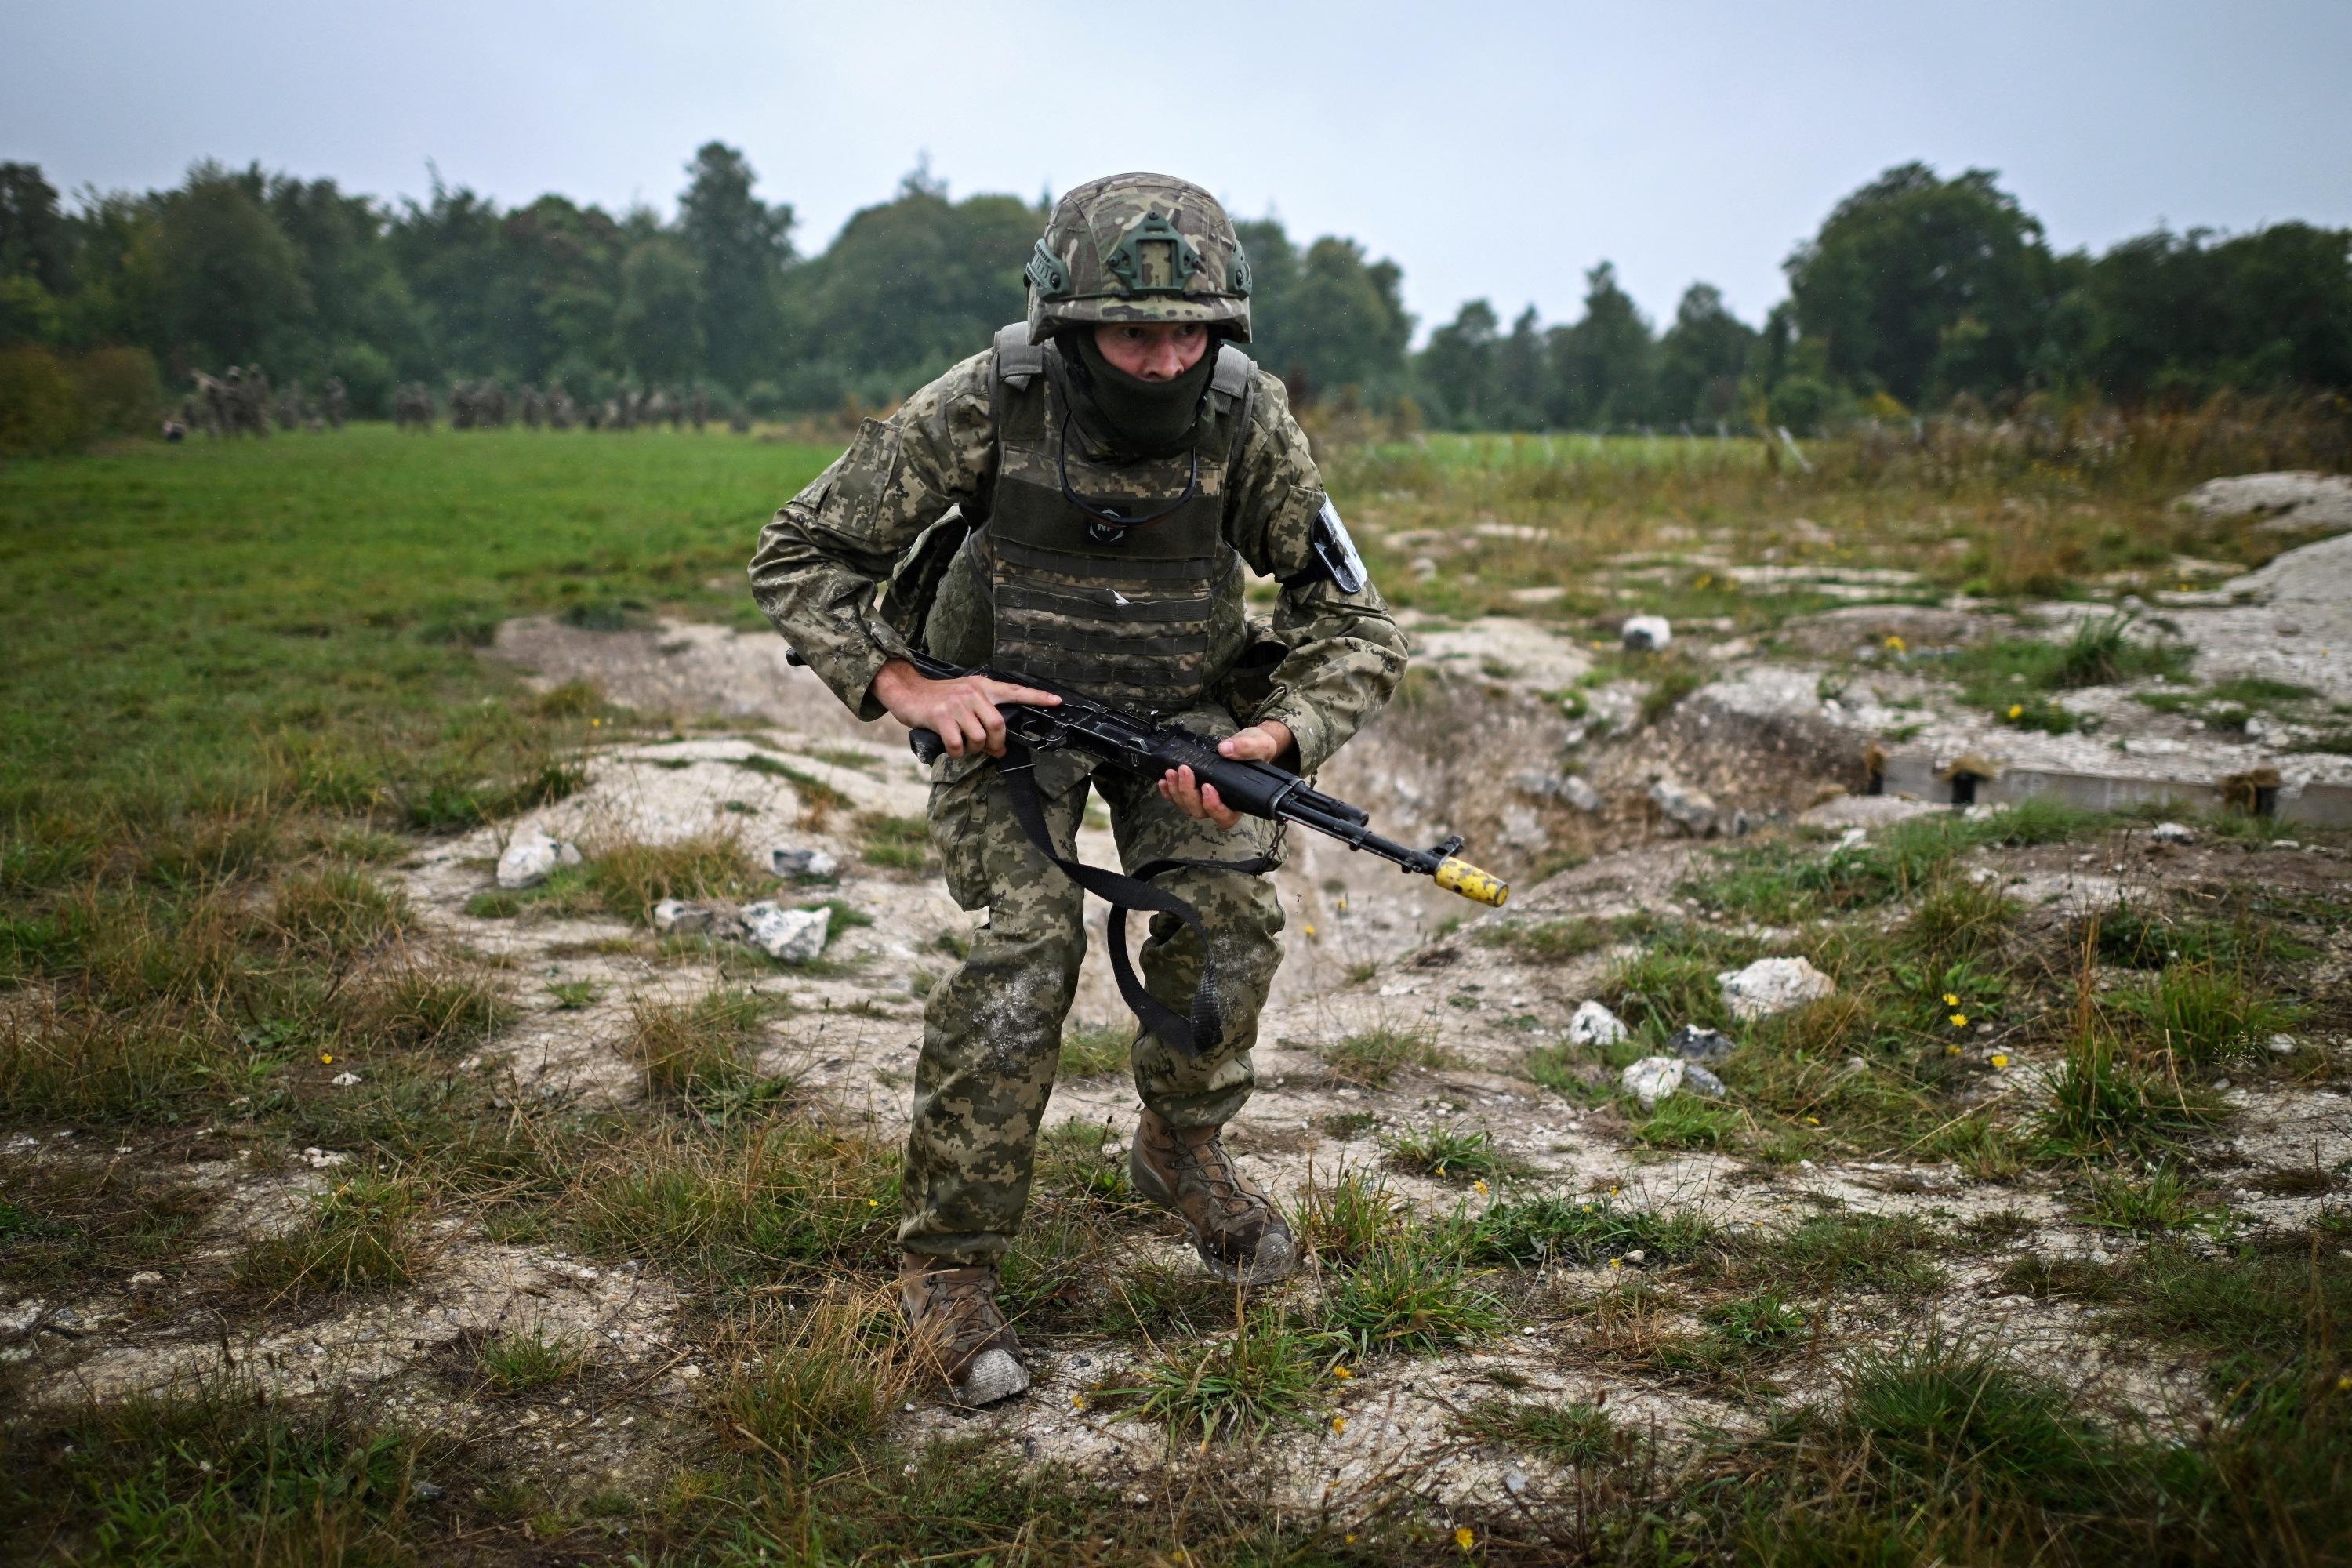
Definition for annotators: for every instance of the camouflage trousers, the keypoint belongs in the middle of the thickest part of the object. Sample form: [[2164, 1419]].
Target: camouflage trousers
[[993, 1030]]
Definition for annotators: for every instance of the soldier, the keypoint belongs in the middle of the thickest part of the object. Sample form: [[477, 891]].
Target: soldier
[[561, 414], [1102, 474], [253, 409], [531, 411], [338, 402]]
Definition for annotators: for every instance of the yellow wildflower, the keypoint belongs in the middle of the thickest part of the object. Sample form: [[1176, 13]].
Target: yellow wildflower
[[1959, 1020], [1896, 644], [2000, 1058], [2017, 710], [1339, 1424], [1462, 1538], [1077, 1402], [1351, 1538], [1441, 1170], [1341, 1372], [1812, 1121], [327, 1058], [1616, 1263], [1951, 1050], [2343, 1385], [1951, 999], [1310, 931], [1479, 1187]]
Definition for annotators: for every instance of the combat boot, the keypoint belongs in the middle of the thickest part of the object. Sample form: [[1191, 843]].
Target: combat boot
[[953, 1319], [1236, 1229]]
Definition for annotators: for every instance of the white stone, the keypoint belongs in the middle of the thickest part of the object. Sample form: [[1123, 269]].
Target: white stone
[[1653, 1079], [1772, 985], [1692, 810], [677, 915], [1578, 791], [1651, 632], [814, 863], [345, 1079], [532, 856], [143, 1279], [325, 1159], [1594, 1025], [2173, 832], [2283, 1044], [2291, 500], [790, 936]]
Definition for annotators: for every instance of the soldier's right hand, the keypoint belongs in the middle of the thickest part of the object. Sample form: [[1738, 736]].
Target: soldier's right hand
[[962, 712]]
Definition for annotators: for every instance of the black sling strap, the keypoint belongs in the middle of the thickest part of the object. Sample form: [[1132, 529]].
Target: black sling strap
[[1123, 892]]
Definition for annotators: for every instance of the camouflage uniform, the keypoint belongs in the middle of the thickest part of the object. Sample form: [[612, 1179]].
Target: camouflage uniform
[[992, 1029]]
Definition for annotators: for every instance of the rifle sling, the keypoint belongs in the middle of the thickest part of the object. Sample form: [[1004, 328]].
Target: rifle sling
[[1205, 1027]]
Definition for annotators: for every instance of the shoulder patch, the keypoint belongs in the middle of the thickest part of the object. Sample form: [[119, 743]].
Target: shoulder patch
[[1232, 376]]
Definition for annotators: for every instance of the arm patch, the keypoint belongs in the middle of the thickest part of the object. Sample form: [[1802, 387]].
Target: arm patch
[[1336, 561]]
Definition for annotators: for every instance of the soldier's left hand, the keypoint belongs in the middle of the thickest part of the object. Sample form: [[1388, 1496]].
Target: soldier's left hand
[[1258, 743]]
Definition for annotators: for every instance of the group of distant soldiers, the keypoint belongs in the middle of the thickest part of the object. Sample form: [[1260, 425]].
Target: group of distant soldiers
[[238, 402], [486, 405]]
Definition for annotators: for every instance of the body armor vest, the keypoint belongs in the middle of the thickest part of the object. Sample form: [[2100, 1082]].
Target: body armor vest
[[1129, 616]]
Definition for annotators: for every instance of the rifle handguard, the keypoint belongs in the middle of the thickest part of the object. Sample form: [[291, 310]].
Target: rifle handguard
[[1478, 887]]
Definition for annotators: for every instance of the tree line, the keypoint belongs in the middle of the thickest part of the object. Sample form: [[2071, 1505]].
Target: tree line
[[1917, 291]]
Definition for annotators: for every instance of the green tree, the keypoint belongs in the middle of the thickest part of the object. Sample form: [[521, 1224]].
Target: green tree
[[35, 241], [231, 284], [1345, 326], [1924, 286], [1523, 376], [742, 246], [1604, 371], [1457, 370], [660, 318], [1702, 358]]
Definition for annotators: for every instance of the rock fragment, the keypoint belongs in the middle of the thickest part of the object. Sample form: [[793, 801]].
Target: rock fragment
[[685, 919], [789, 936], [2172, 833], [1772, 985], [816, 864], [1692, 810], [1653, 1079], [1646, 633], [1594, 1025], [1578, 791], [1693, 1044], [532, 856]]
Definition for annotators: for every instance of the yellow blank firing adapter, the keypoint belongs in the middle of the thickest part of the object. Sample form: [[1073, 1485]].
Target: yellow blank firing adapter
[[1478, 887]]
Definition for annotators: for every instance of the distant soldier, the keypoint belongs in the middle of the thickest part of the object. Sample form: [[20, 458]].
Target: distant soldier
[[492, 411], [561, 414], [531, 411], [290, 406], [677, 411], [702, 409], [254, 406], [338, 402], [461, 406], [230, 392]]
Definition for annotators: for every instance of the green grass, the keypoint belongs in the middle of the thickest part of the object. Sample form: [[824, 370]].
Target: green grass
[[1411, 1297], [893, 843], [1375, 1056], [1453, 1153], [2012, 678], [525, 1359], [1268, 1372], [364, 1234], [1528, 1231], [1571, 1433], [2205, 1016], [1091, 1050]]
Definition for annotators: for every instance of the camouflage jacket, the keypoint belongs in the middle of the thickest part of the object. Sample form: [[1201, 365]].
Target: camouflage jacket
[[822, 558]]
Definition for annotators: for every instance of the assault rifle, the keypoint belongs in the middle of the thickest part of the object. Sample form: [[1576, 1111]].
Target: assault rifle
[[1148, 750]]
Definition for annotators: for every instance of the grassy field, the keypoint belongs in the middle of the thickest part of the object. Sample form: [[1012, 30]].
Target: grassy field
[[243, 684]]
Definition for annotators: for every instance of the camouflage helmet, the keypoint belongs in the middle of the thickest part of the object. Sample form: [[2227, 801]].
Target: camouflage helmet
[[1139, 248]]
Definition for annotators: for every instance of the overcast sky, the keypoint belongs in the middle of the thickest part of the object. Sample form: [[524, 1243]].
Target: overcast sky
[[1495, 151]]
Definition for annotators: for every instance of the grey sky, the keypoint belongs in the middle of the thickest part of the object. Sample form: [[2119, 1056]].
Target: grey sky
[[1494, 150]]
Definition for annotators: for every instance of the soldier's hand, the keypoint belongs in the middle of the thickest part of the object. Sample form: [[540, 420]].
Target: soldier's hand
[[962, 712], [1258, 743]]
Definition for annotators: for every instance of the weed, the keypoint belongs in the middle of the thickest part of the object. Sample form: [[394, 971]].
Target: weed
[[571, 995], [1410, 1297], [893, 843], [429, 1007], [1757, 1322], [1268, 1372], [817, 1386], [361, 1234], [1374, 1056], [1827, 1252], [2204, 1016], [2162, 1202], [521, 1361], [1687, 1121], [1569, 1433], [1345, 1220], [1091, 1050], [1533, 1230], [698, 1050], [1551, 942], [2099, 1101], [1454, 1154]]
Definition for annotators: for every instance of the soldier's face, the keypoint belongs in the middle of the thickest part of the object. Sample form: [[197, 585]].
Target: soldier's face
[[1152, 351]]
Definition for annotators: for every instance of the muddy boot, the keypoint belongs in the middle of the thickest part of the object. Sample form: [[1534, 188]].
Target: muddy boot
[[952, 1315], [1236, 1229]]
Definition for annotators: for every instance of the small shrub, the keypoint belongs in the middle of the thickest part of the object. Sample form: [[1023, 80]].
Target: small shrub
[[821, 1392], [698, 1050], [337, 912], [2098, 1100], [1531, 1230], [429, 1007], [2162, 1202], [1757, 1322], [1687, 1121]]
